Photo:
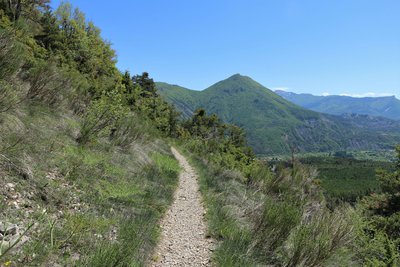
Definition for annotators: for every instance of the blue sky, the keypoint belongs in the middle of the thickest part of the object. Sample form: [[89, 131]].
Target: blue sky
[[321, 47]]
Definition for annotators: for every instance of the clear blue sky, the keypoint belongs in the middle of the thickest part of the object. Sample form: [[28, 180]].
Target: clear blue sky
[[332, 46]]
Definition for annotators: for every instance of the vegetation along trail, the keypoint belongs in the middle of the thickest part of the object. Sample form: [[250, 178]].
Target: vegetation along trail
[[183, 240]]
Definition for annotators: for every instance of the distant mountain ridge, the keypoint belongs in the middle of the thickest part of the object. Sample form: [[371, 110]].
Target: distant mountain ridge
[[272, 122], [388, 106]]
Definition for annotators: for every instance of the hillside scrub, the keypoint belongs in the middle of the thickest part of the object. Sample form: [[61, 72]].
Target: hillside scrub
[[276, 219], [85, 201], [86, 175]]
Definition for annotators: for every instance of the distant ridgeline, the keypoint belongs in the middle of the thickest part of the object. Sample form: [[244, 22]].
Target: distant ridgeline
[[275, 126], [388, 106]]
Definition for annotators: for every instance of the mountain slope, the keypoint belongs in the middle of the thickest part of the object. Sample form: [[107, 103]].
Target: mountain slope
[[388, 107], [271, 122], [182, 98]]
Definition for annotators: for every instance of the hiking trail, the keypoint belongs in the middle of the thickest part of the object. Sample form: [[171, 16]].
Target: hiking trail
[[183, 239]]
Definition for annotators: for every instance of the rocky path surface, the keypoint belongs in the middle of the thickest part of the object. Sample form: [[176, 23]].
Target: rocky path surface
[[183, 239]]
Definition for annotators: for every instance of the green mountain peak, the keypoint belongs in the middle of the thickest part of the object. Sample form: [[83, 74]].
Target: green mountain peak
[[273, 124]]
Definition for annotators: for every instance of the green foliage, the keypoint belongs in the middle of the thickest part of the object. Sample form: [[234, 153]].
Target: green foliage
[[380, 233], [376, 248], [48, 83], [11, 54], [102, 117], [165, 163], [388, 202], [132, 92], [274, 224], [146, 83], [316, 241], [30, 9], [131, 129], [223, 144], [8, 96], [78, 45], [140, 95]]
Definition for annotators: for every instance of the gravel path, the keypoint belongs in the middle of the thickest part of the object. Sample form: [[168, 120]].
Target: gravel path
[[183, 239]]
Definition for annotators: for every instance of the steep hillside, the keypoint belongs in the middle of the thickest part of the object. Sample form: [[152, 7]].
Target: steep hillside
[[184, 99], [85, 170], [272, 123], [388, 107]]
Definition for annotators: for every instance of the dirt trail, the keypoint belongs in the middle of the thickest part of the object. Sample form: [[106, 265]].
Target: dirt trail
[[183, 239]]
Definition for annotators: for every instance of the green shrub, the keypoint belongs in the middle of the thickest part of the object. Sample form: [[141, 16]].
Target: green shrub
[[8, 96], [102, 117], [375, 248], [379, 234], [11, 60], [47, 83], [130, 129], [12, 54], [312, 242], [274, 225]]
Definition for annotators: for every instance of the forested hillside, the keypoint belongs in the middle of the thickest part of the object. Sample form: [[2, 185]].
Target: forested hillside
[[275, 126], [87, 171]]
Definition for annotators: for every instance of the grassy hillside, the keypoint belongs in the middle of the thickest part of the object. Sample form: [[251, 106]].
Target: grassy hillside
[[273, 124], [95, 205], [86, 172], [388, 107]]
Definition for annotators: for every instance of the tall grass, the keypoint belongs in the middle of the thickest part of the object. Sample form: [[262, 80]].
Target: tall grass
[[277, 219]]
